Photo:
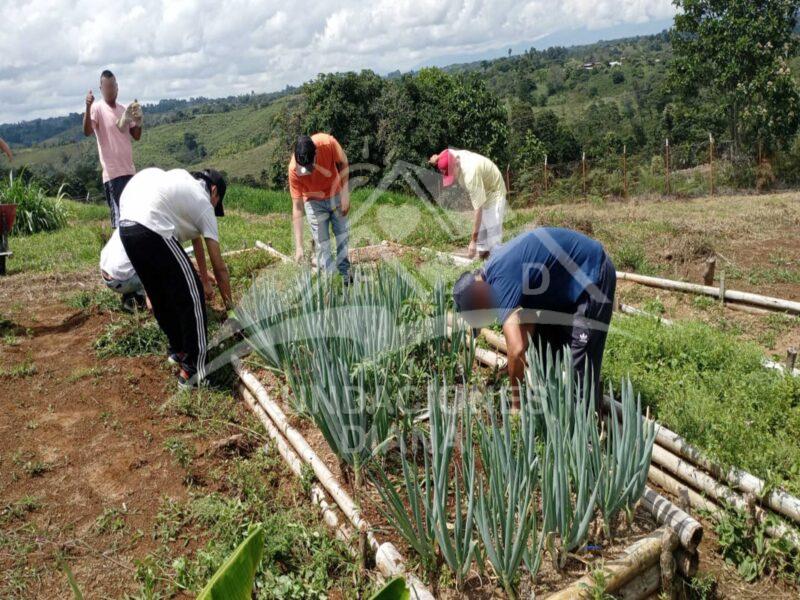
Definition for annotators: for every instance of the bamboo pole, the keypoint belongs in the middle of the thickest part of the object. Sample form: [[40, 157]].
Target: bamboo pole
[[770, 302], [387, 557], [777, 500], [690, 531], [641, 587], [746, 308], [268, 248], [638, 558], [318, 496], [632, 310], [716, 490]]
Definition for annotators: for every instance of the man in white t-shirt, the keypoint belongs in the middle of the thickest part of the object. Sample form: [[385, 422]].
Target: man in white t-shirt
[[118, 274], [483, 181], [159, 210]]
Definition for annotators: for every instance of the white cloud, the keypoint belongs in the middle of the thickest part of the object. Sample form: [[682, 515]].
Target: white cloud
[[52, 51]]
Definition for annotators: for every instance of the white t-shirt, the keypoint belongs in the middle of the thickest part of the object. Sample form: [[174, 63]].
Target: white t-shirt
[[171, 203], [114, 260]]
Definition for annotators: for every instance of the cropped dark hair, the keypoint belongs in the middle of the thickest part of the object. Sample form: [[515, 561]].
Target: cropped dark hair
[[106, 74]]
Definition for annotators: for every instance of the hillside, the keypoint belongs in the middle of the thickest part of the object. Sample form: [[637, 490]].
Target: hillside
[[595, 98]]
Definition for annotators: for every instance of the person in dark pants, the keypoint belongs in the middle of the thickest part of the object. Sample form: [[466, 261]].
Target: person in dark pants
[[552, 285], [159, 211], [113, 124]]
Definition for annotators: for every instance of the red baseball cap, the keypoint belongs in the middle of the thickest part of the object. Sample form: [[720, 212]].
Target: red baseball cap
[[446, 163]]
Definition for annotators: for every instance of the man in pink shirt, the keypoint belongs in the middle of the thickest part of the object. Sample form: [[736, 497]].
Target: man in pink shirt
[[113, 125]]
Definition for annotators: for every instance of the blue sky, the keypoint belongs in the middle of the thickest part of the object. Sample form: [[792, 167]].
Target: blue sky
[[53, 50]]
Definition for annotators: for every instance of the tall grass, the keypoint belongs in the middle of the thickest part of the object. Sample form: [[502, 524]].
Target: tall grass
[[35, 210]]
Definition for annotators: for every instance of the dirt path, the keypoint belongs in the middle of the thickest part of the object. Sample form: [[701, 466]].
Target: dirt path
[[81, 448]]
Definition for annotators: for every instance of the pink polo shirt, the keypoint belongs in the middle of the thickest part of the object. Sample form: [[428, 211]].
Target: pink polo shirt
[[113, 146]]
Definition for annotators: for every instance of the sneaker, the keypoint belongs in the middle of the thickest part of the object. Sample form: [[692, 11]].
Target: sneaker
[[129, 304], [187, 379], [176, 358]]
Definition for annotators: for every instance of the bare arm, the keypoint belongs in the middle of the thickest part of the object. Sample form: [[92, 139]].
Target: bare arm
[[343, 166], [516, 334], [88, 128], [476, 227], [220, 272], [202, 268], [6, 150], [297, 224]]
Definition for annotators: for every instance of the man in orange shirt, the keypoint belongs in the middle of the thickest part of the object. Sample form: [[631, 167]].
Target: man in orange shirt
[[318, 175]]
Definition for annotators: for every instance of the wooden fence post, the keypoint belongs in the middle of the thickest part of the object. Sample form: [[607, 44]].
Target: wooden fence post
[[711, 161], [624, 170], [583, 171], [791, 359], [666, 166], [545, 174], [508, 180]]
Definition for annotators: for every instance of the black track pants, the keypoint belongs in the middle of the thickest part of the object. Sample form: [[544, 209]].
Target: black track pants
[[586, 333], [174, 289]]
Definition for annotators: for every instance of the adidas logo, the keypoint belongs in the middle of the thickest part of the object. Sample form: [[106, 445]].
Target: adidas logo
[[583, 338]]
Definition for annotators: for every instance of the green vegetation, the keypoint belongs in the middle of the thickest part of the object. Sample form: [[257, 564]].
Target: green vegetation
[[195, 536], [135, 335], [35, 210], [629, 94], [711, 388]]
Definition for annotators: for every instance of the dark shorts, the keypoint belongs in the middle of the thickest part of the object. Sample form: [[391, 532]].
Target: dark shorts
[[113, 192]]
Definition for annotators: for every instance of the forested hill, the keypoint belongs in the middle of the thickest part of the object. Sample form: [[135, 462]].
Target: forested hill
[[598, 99], [68, 128]]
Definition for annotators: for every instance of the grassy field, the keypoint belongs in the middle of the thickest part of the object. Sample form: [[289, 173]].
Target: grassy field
[[702, 378]]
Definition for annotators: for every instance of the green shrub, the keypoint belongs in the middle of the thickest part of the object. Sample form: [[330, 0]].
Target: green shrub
[[35, 210]]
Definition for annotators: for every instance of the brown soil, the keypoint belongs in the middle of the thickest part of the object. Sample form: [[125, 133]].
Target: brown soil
[[80, 436]]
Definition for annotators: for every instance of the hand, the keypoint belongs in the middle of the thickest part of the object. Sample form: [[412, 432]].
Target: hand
[[433, 160], [472, 251], [208, 289], [89, 99], [345, 204], [298, 255]]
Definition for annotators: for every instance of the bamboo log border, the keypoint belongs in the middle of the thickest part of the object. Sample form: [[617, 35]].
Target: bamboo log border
[[777, 500], [387, 558], [747, 298], [636, 561]]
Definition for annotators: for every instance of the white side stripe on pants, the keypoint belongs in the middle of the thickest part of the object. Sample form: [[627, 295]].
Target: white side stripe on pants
[[188, 273]]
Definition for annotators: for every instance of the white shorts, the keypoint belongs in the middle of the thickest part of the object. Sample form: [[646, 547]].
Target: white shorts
[[490, 233]]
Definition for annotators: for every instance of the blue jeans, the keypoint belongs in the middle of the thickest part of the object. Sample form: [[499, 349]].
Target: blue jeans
[[322, 216]]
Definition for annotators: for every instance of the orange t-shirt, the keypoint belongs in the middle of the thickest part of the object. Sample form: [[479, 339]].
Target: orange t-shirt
[[324, 181]]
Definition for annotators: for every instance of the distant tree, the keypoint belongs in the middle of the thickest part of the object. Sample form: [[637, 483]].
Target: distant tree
[[559, 141], [618, 77], [432, 109], [736, 52], [347, 106]]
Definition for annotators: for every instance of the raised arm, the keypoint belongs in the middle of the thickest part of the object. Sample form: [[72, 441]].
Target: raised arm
[[88, 126], [220, 272]]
